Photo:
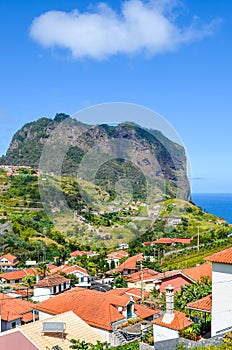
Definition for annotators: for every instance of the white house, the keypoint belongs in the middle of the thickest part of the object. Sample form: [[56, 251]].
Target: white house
[[221, 291], [49, 286], [8, 262], [81, 273], [115, 257], [168, 326]]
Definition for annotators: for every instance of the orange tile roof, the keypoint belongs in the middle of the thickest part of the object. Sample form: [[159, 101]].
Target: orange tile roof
[[13, 308], [196, 272], [11, 258], [77, 253], [130, 263], [17, 275], [203, 304], [167, 240], [148, 274], [52, 280], [134, 292], [68, 269], [144, 311], [223, 257], [117, 255], [179, 322], [96, 308]]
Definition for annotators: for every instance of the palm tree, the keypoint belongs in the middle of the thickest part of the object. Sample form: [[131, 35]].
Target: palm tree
[[43, 269]]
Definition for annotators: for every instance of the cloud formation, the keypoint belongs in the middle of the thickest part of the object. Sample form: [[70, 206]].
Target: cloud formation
[[147, 27]]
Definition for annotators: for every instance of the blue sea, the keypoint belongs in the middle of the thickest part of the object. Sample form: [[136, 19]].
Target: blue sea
[[217, 204]]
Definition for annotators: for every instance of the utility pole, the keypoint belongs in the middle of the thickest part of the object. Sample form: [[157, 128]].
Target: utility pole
[[142, 286], [198, 239]]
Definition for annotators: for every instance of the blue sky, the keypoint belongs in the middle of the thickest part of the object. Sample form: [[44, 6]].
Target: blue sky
[[173, 60]]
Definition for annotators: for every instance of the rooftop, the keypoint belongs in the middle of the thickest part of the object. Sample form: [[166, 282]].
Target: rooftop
[[179, 322], [223, 257], [75, 328], [52, 280], [8, 341], [196, 272], [203, 304], [14, 308], [19, 274], [97, 309], [130, 263]]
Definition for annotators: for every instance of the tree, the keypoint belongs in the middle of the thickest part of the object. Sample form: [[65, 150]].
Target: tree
[[82, 345], [120, 282], [43, 268], [29, 281]]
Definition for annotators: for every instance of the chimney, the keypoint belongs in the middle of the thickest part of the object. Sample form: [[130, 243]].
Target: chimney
[[169, 314]]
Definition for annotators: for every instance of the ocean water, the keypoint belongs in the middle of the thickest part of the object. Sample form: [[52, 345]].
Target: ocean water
[[219, 204]]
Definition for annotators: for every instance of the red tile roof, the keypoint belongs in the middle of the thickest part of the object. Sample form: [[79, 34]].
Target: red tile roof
[[96, 308], [68, 269], [17, 275], [52, 280], [117, 255], [168, 240], [203, 304], [144, 311], [13, 308], [130, 263], [196, 272], [77, 253], [146, 273], [223, 257], [134, 292], [13, 260], [179, 322]]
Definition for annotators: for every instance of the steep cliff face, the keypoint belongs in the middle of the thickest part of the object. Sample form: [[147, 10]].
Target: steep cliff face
[[126, 151]]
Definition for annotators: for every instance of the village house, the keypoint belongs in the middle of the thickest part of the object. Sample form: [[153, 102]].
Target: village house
[[115, 257], [221, 291], [168, 326], [79, 253], [81, 273], [102, 311], [149, 279], [16, 276], [50, 286], [8, 262], [14, 312], [131, 265], [53, 333], [168, 241]]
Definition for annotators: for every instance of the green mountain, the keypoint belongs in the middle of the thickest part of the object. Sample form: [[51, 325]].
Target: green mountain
[[113, 157]]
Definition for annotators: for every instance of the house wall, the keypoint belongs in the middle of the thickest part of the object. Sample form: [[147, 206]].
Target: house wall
[[5, 326], [44, 315], [162, 333], [41, 294], [221, 298]]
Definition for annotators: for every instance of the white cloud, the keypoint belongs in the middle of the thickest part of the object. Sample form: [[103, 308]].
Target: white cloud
[[149, 27]]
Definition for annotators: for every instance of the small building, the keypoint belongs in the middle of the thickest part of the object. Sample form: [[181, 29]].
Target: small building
[[167, 327], [14, 312], [81, 273], [8, 262], [50, 286], [131, 265], [116, 256], [17, 275]]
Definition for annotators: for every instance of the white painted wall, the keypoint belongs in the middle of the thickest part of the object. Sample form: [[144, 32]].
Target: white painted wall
[[162, 333], [44, 315], [221, 298], [41, 294]]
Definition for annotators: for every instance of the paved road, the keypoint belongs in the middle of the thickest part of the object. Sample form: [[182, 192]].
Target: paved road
[[5, 227]]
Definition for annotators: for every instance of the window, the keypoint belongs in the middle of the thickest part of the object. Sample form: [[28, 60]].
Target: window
[[13, 325]]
